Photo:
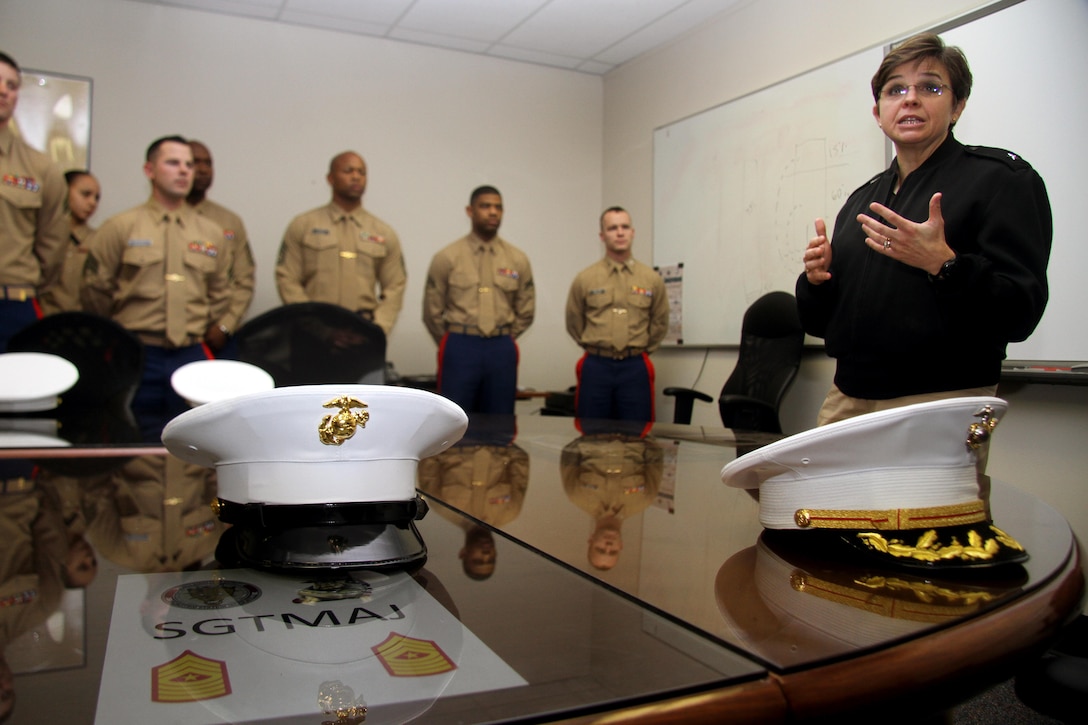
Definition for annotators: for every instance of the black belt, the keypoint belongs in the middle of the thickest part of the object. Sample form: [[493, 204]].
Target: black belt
[[614, 354], [17, 292], [477, 332], [291, 516]]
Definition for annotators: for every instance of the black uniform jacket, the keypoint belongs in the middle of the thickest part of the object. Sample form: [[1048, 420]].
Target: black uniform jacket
[[895, 330]]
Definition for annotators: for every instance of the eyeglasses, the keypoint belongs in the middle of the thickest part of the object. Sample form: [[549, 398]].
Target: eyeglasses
[[926, 90]]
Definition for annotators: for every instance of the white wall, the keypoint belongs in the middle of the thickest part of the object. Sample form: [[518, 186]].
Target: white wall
[[275, 103], [1040, 447]]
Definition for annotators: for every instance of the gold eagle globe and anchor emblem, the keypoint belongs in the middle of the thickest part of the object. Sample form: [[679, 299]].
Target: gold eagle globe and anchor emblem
[[337, 427], [979, 433]]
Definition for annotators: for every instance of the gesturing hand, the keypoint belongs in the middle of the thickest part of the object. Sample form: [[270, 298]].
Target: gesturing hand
[[920, 245], [817, 256]]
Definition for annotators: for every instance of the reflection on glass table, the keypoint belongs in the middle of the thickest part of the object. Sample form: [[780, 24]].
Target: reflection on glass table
[[686, 538], [698, 612], [172, 636]]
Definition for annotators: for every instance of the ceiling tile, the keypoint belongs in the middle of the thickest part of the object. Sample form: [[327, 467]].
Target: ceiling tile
[[369, 12], [246, 8], [534, 56], [668, 27], [330, 22], [591, 36], [439, 40], [486, 20], [581, 29]]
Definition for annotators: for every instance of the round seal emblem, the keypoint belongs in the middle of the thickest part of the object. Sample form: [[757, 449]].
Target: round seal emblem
[[211, 594]]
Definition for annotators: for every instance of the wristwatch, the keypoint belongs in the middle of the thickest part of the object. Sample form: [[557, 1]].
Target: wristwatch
[[945, 272]]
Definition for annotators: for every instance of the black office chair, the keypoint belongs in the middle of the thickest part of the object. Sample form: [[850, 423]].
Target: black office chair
[[310, 343], [110, 359], [771, 342]]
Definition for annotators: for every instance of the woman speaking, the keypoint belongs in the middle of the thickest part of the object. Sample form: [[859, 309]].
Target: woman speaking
[[937, 262]]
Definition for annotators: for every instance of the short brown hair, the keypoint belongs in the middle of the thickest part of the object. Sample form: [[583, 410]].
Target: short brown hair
[[611, 209], [921, 47], [153, 149]]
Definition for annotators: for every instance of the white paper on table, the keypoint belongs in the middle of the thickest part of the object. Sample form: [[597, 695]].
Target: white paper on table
[[242, 645]]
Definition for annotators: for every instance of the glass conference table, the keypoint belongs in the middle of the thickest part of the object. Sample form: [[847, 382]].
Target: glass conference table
[[576, 571]]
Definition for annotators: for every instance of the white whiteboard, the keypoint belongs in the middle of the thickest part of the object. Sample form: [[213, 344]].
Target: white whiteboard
[[737, 187], [1030, 96]]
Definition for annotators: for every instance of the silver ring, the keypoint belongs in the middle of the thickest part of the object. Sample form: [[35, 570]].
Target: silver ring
[[887, 244]]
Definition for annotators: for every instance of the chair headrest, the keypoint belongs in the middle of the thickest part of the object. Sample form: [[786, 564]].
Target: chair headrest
[[772, 315]]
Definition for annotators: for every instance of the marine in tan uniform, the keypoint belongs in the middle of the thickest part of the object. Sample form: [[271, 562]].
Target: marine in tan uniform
[[342, 254], [31, 570], [84, 193], [159, 271], [618, 311], [33, 220], [242, 269], [154, 514], [485, 475], [479, 298], [612, 476]]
